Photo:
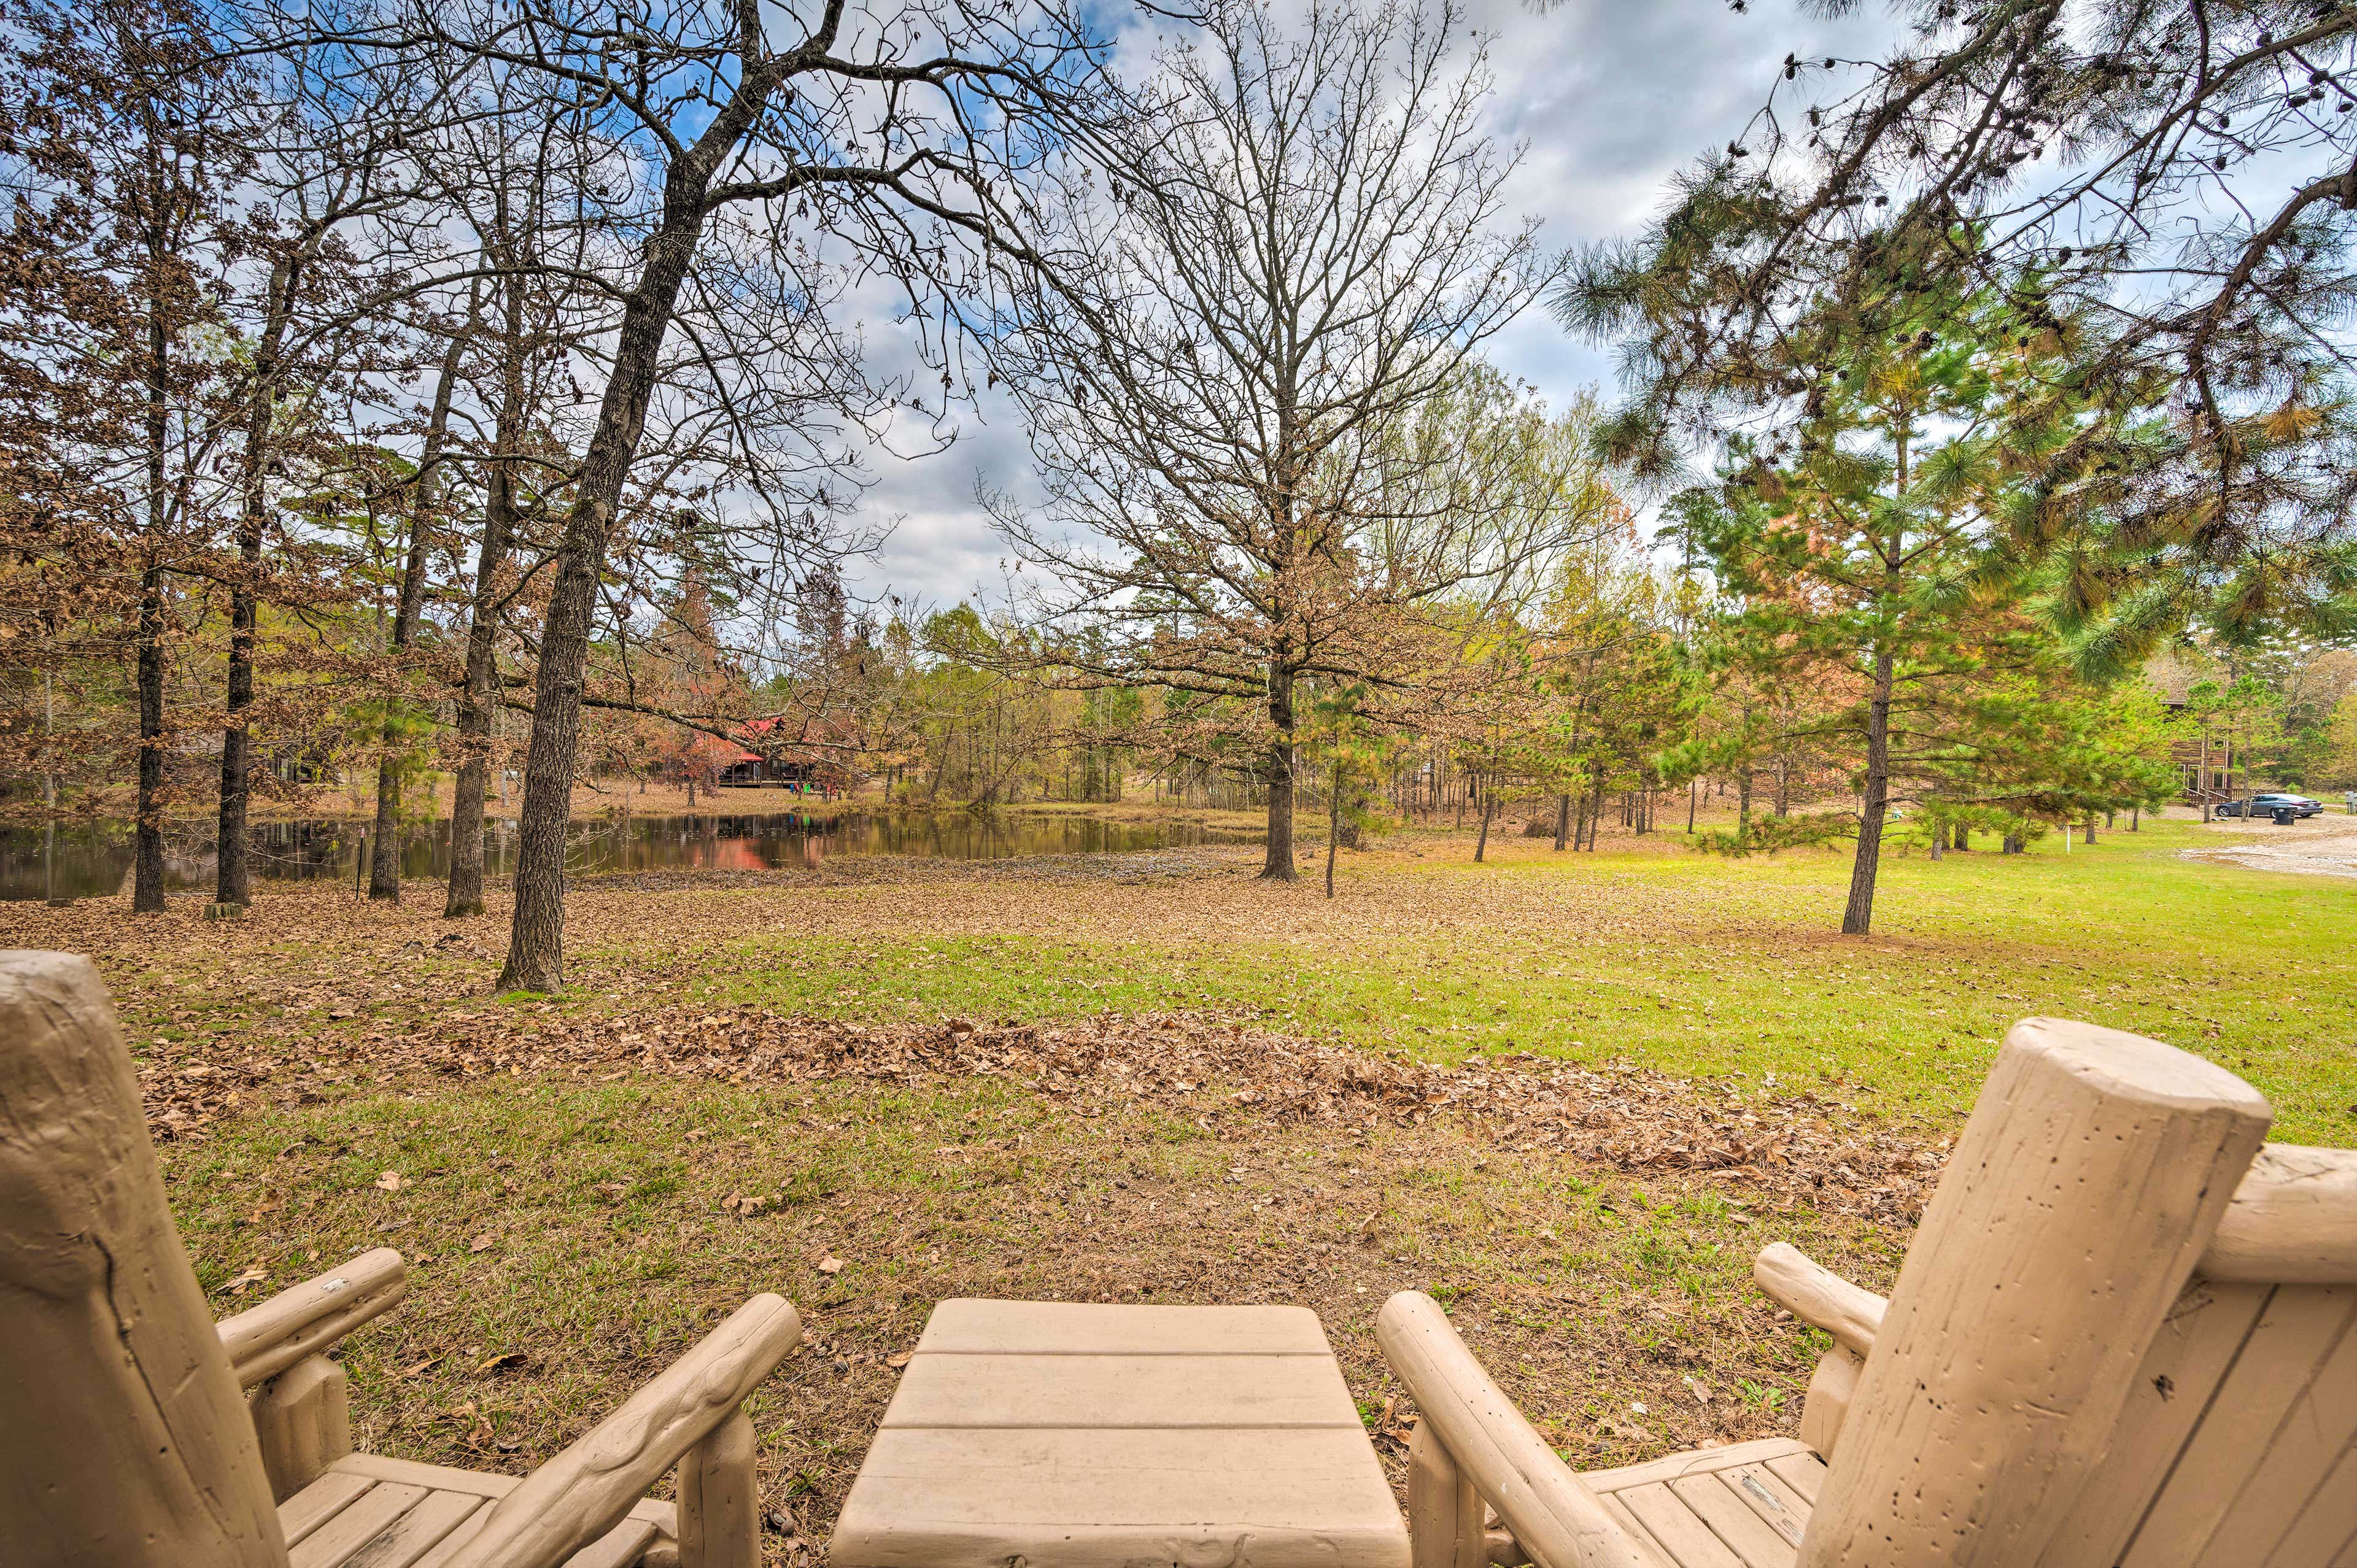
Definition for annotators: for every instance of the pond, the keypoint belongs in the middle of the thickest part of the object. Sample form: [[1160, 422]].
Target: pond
[[86, 860]]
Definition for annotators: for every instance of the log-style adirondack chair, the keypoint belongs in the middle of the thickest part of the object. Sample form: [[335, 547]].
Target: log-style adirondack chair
[[126, 1437], [2125, 1336]]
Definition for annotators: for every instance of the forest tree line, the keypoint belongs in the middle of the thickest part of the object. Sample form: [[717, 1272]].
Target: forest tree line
[[449, 385]]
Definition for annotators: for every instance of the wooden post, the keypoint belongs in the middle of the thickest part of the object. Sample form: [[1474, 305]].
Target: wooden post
[[1825, 1409], [125, 1442], [2085, 1187], [302, 1420], [1443, 1512], [720, 1499]]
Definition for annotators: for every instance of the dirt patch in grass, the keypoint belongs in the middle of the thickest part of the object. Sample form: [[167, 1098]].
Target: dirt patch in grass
[[2323, 845]]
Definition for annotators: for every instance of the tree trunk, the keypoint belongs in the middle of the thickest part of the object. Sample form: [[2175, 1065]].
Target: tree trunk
[[384, 855], [1333, 824], [1278, 866], [1857, 916], [1743, 803], [2091, 831], [535, 959], [1488, 806], [1939, 838], [479, 699], [1562, 819], [232, 868], [147, 853]]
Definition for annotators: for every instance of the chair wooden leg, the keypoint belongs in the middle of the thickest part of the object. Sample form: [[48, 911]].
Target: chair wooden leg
[[1831, 1386], [303, 1418], [1446, 1521], [719, 1499]]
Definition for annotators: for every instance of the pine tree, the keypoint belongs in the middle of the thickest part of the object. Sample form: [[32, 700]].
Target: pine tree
[[1869, 555]]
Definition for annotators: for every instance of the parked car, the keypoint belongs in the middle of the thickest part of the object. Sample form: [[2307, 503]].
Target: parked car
[[2268, 805]]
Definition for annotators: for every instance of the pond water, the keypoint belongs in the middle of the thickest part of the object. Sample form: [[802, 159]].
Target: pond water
[[85, 860]]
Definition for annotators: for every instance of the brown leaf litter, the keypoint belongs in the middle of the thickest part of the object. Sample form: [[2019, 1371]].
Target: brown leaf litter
[[1223, 1075]]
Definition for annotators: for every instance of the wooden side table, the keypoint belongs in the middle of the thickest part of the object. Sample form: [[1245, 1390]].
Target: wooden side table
[[1046, 1434]]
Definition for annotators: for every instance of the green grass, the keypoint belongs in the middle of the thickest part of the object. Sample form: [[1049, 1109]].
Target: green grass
[[565, 1240], [1703, 967]]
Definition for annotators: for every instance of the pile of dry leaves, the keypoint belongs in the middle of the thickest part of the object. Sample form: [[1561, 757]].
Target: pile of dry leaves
[[1222, 1074]]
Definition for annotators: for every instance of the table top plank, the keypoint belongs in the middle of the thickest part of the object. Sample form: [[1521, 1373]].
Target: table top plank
[[946, 1497], [1083, 1392], [1089, 1328], [1075, 1435]]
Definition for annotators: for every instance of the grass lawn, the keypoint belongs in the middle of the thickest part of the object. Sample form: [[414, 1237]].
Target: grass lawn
[[747, 1082]]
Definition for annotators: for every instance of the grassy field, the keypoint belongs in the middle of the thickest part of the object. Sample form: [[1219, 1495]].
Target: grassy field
[[1570, 1095], [1695, 965]]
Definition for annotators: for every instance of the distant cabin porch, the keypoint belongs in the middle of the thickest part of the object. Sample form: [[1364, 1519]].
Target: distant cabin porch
[[750, 771]]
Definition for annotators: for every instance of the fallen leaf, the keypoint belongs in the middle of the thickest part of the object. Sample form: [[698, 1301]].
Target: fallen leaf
[[393, 1181], [237, 1283], [483, 1243], [417, 1368], [830, 1265], [900, 1360], [504, 1358]]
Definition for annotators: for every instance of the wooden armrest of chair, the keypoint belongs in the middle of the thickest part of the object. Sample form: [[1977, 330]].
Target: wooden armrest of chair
[[309, 1317], [1554, 1518], [1820, 1297], [1851, 1313], [585, 1492]]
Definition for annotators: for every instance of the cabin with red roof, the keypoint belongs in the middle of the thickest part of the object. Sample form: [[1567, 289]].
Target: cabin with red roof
[[817, 760]]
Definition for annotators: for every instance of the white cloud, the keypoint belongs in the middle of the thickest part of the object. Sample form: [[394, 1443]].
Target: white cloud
[[1609, 97]]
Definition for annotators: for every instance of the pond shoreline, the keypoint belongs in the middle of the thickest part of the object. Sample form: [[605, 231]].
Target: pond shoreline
[[431, 799], [92, 860]]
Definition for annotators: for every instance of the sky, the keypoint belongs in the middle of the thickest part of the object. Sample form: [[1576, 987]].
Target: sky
[[1606, 98]]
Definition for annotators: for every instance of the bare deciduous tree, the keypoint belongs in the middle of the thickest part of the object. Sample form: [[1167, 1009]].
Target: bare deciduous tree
[[902, 137], [1221, 402]]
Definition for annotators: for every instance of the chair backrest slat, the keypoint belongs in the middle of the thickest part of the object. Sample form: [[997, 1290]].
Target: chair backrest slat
[[2318, 1423], [2237, 1447], [2249, 1447], [2181, 1375], [2325, 1532]]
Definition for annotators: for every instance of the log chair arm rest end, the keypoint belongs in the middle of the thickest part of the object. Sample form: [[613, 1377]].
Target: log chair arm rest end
[[1820, 1297], [584, 1491], [303, 1319], [1547, 1511]]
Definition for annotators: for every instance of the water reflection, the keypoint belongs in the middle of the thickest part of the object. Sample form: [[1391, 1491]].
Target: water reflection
[[93, 860]]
